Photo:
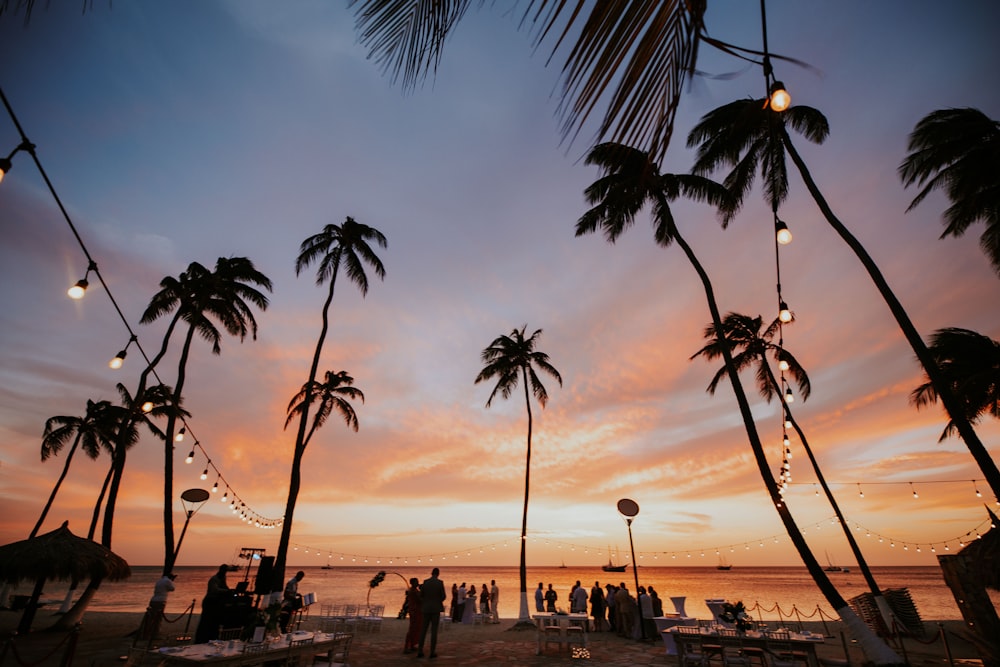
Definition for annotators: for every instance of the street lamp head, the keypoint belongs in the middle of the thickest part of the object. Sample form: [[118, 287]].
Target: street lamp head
[[628, 508]]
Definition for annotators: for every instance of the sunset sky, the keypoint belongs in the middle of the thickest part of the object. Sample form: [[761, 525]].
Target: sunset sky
[[187, 131]]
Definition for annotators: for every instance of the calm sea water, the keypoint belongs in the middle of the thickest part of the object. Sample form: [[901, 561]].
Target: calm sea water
[[787, 587]]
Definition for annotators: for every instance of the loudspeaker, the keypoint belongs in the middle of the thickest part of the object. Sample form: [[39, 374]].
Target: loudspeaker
[[265, 571]]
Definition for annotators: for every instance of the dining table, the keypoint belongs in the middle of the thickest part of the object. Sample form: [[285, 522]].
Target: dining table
[[560, 628], [804, 642], [228, 653]]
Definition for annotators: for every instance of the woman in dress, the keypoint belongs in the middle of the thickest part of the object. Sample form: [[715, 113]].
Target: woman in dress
[[469, 612], [484, 603], [412, 640]]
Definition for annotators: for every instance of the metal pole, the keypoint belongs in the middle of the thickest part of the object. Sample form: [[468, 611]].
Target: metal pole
[[638, 602], [177, 550]]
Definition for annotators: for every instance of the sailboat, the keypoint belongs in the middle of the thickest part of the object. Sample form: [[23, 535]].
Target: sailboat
[[830, 567], [723, 565], [611, 567]]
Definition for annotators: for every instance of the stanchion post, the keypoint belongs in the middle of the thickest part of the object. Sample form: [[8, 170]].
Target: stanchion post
[[187, 626], [944, 640]]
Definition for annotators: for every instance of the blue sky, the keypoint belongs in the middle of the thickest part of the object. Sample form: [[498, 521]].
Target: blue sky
[[194, 130]]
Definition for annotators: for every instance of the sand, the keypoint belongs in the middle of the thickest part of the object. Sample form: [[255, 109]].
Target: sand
[[103, 641]]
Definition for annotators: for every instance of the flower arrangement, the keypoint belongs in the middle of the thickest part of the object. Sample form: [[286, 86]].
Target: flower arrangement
[[267, 617], [736, 615]]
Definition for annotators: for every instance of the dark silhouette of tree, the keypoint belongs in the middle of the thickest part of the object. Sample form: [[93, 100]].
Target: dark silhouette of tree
[[329, 396], [753, 343], [347, 246], [511, 359], [957, 151], [631, 181], [196, 297], [970, 363], [749, 137], [92, 431]]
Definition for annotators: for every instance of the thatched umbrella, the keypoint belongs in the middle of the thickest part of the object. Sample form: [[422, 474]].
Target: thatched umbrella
[[59, 555]]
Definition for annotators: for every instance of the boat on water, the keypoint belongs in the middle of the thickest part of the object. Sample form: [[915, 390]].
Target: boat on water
[[723, 564], [611, 567], [830, 567]]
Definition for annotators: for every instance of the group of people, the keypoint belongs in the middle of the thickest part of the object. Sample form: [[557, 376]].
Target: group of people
[[465, 602], [612, 607]]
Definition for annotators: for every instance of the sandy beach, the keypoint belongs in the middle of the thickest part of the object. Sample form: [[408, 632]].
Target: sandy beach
[[104, 639]]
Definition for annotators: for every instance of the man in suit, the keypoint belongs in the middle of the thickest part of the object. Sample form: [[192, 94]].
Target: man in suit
[[431, 605]]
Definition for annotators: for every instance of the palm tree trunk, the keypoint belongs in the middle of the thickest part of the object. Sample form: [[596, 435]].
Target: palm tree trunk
[[168, 456], [951, 404], [522, 614], [880, 601], [100, 499], [121, 444], [55, 489], [875, 649], [300, 444]]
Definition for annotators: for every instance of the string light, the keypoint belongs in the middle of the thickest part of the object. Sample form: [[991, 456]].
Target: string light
[[204, 474], [190, 457], [180, 435], [860, 492], [914, 490], [784, 314], [978, 494], [79, 289], [781, 232]]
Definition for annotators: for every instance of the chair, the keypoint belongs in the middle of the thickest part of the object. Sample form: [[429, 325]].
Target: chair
[[732, 648], [336, 656], [297, 656], [689, 649], [780, 651], [230, 633]]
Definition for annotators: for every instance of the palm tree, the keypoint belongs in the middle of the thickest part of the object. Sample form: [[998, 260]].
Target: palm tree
[[225, 294], [631, 181], [126, 418], [509, 359], [93, 431], [348, 245], [958, 151], [329, 395], [635, 54], [749, 137], [744, 334], [970, 363]]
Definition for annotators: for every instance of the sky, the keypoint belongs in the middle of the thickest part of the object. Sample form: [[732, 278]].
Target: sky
[[190, 131]]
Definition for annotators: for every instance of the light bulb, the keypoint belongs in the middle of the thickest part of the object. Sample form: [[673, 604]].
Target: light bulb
[[117, 361], [783, 365], [782, 233], [180, 435], [780, 99], [784, 314], [147, 406], [190, 457], [204, 473], [789, 397], [78, 290]]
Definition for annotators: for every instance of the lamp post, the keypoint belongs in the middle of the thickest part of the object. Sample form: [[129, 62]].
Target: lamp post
[[628, 508], [192, 500]]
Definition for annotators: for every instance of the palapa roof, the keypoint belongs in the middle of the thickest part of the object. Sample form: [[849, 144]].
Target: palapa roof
[[60, 555]]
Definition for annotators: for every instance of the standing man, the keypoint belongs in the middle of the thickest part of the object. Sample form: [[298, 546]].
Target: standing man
[[292, 600], [432, 597], [494, 600], [539, 598], [154, 613]]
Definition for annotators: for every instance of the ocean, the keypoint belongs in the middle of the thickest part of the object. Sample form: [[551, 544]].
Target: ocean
[[787, 588]]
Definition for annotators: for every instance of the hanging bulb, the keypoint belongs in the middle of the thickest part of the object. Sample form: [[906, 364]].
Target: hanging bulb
[[117, 361], [79, 289], [780, 99], [789, 397], [781, 231], [204, 473], [225, 495], [914, 490], [147, 407], [215, 487], [784, 314], [783, 365], [861, 494], [784, 440], [190, 457], [180, 435]]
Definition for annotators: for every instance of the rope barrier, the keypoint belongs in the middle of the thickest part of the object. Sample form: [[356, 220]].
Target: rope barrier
[[20, 660]]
